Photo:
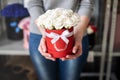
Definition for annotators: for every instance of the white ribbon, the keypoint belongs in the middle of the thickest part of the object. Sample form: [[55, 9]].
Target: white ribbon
[[55, 37]]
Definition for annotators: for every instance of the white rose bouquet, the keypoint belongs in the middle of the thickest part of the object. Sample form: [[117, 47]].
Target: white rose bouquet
[[58, 24], [58, 18]]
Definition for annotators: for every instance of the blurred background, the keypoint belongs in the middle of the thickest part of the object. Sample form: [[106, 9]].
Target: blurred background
[[103, 31]]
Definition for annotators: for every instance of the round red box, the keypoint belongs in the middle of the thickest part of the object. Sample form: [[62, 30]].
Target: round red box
[[59, 49]]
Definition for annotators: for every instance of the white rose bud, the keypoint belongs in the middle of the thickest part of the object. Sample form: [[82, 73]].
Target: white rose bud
[[48, 24], [76, 19], [68, 13], [68, 23], [58, 23]]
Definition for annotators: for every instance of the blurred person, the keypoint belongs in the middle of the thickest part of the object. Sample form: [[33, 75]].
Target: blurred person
[[69, 67]]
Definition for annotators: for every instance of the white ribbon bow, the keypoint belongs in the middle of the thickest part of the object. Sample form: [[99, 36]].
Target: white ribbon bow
[[63, 36]]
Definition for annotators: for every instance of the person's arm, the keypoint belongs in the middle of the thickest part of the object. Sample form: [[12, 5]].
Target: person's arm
[[85, 12], [35, 8], [86, 8]]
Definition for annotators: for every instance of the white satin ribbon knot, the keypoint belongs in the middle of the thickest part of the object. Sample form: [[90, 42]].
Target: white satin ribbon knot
[[55, 37]]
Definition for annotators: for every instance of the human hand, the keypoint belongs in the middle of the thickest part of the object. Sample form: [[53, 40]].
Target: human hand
[[77, 48], [42, 46], [43, 50], [77, 51], [79, 31]]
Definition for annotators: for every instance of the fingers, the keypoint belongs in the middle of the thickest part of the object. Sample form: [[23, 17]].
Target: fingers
[[75, 48], [73, 56], [43, 45], [77, 54], [46, 55], [50, 58], [77, 51], [43, 50]]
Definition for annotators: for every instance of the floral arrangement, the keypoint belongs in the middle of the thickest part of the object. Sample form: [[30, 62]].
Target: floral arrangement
[[13, 14], [58, 24], [14, 10], [58, 18]]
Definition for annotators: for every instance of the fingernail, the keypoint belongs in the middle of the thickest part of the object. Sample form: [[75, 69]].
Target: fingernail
[[74, 51], [49, 55], [67, 56], [44, 50], [63, 59], [53, 59]]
